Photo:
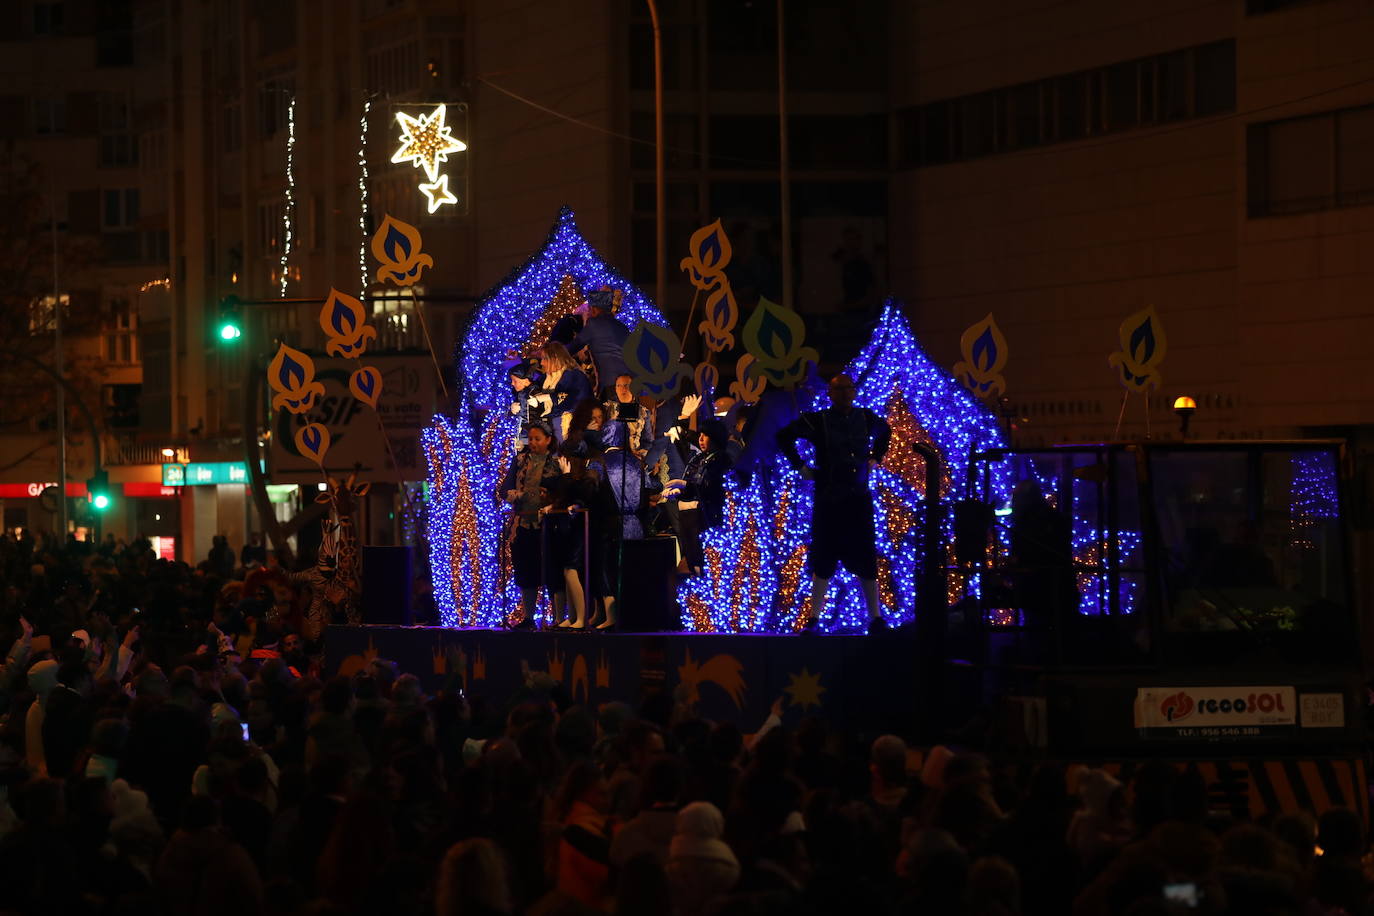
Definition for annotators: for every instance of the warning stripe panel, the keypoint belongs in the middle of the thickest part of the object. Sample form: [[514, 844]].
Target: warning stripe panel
[[1264, 787]]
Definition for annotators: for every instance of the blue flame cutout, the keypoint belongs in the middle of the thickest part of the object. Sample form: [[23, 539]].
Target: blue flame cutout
[[291, 374], [395, 239], [1143, 342], [342, 313], [985, 352], [709, 253], [774, 330], [653, 354]]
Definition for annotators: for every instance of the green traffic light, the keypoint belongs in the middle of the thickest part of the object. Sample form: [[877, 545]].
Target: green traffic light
[[101, 502], [230, 331]]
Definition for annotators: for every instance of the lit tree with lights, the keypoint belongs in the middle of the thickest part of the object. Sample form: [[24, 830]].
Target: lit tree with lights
[[756, 578], [470, 454]]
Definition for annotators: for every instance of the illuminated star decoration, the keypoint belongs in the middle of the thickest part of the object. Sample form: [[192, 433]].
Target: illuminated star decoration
[[438, 193], [805, 689], [426, 142]]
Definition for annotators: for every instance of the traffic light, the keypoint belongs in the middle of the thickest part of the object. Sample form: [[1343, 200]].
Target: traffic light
[[230, 328], [99, 489]]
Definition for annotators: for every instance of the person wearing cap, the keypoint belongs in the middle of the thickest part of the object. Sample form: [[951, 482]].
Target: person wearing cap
[[849, 441], [603, 337]]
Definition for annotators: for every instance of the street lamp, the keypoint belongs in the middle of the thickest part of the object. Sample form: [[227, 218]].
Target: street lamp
[[1184, 407]]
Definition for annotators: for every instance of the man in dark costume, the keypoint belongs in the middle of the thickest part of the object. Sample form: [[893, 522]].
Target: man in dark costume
[[849, 441], [603, 337]]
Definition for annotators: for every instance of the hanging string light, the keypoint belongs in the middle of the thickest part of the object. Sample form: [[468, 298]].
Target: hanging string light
[[362, 199], [288, 212]]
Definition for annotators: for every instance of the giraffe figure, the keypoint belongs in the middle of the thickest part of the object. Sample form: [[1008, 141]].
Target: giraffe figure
[[339, 550]]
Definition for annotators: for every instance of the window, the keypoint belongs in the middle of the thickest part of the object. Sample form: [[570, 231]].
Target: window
[[274, 98], [1188, 83], [49, 115], [1214, 78], [978, 124], [680, 141], [393, 69], [1023, 116], [1259, 7], [118, 147], [1354, 161], [1122, 96], [47, 19], [269, 228], [120, 210], [121, 332], [1311, 163], [743, 142], [114, 40], [1071, 106]]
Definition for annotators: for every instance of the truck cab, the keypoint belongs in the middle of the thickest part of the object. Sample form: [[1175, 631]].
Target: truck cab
[[1160, 599]]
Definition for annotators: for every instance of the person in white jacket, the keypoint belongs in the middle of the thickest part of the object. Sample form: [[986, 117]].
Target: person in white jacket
[[701, 867]]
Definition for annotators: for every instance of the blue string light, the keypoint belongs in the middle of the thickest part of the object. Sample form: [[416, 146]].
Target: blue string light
[[469, 455], [756, 579]]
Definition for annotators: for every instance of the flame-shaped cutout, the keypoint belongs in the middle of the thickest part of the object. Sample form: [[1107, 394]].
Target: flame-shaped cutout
[[707, 377], [397, 245], [984, 351], [312, 441], [774, 335], [1143, 348], [722, 314], [747, 386], [366, 385], [710, 255], [653, 355], [351, 349], [290, 370], [1143, 343], [341, 316], [711, 249], [721, 308], [299, 401]]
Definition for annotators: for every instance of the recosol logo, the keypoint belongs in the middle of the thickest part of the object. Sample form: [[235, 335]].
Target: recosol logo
[[1180, 705], [1177, 706]]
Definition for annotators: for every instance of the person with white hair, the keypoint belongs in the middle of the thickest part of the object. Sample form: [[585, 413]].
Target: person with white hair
[[701, 866]]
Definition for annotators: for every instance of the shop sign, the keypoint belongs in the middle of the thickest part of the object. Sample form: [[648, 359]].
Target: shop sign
[[204, 473], [1215, 713]]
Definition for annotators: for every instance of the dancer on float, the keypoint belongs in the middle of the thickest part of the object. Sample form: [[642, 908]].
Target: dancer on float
[[526, 487], [603, 337], [849, 441], [565, 384]]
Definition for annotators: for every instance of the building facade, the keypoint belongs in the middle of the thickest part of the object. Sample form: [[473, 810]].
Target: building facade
[[1064, 168]]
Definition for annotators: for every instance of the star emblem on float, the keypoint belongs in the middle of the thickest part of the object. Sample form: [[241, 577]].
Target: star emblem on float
[[426, 142], [438, 193], [805, 689]]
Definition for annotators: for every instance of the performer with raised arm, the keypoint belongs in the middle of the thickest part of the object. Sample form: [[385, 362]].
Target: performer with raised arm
[[849, 441]]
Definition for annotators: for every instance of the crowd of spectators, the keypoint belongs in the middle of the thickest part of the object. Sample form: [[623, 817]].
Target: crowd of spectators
[[166, 748]]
